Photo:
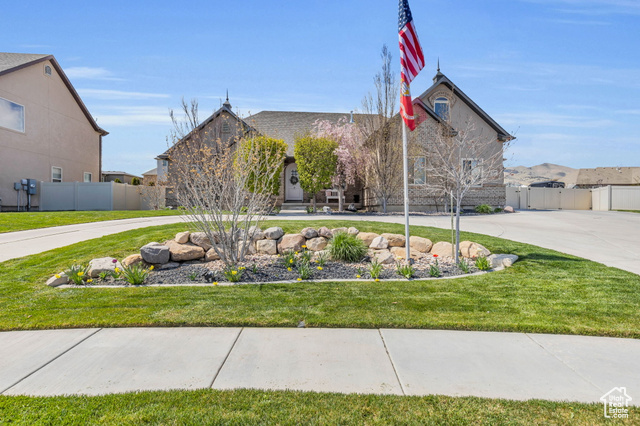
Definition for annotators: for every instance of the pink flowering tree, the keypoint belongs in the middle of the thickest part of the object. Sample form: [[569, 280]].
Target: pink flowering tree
[[352, 157]]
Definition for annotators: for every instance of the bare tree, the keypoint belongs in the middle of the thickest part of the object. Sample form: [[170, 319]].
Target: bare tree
[[213, 171], [154, 194], [460, 159], [382, 134]]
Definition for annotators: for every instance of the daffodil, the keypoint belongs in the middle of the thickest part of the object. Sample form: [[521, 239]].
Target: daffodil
[[117, 270], [319, 268], [288, 269], [304, 246], [234, 272], [290, 260], [215, 283], [57, 275], [80, 273], [89, 280], [377, 279], [299, 279], [357, 276]]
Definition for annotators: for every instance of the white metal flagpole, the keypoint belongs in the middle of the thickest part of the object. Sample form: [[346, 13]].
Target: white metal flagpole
[[406, 190]]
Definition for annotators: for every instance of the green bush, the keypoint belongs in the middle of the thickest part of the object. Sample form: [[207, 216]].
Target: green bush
[[347, 247], [484, 208], [135, 181]]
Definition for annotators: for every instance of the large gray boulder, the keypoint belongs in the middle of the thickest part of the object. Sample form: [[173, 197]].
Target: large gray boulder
[[200, 239], [379, 243], [58, 279], [317, 244], [506, 260], [395, 240], [367, 237], [256, 233], [325, 232], [182, 237], [155, 253], [267, 247], [273, 233], [309, 233], [384, 257], [211, 255], [184, 252], [102, 264]]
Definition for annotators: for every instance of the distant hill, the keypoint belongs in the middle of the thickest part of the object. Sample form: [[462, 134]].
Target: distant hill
[[521, 175]]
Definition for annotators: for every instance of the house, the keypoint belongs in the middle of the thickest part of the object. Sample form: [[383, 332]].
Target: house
[[603, 176], [150, 177], [122, 177], [443, 103], [46, 132]]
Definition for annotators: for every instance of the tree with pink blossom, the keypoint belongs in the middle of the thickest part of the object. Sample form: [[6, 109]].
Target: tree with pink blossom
[[352, 157]]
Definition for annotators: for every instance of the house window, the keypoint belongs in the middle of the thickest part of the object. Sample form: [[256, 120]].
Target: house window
[[472, 171], [56, 174], [164, 163], [441, 106], [87, 177], [47, 70], [226, 128], [417, 170], [11, 115]]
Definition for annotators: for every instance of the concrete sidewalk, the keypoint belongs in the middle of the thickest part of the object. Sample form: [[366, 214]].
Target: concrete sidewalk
[[610, 238], [387, 361]]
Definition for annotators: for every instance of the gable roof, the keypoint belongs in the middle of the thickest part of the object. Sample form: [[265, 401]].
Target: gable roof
[[439, 79], [11, 62], [287, 125], [152, 172]]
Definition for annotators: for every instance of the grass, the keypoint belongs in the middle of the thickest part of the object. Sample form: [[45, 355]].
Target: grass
[[544, 292], [629, 211], [289, 407], [10, 222]]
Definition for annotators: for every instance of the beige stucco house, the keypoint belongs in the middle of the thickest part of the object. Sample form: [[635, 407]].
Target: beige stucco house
[[46, 131]]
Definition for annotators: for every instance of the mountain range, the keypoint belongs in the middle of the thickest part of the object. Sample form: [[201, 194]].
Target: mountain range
[[522, 175]]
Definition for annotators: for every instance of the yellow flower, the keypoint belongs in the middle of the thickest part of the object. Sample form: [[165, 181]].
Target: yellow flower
[[117, 270], [242, 268], [89, 280], [216, 283], [319, 268], [377, 279], [80, 273], [299, 279], [304, 246], [290, 260], [288, 269], [234, 272], [151, 268], [357, 276], [57, 275]]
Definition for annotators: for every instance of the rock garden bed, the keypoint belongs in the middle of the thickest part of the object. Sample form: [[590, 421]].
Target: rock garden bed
[[274, 256]]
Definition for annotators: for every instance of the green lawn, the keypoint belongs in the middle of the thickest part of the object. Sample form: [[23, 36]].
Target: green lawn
[[10, 222], [545, 292], [268, 407]]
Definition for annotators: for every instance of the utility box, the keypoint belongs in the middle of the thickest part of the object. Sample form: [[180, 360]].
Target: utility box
[[32, 187]]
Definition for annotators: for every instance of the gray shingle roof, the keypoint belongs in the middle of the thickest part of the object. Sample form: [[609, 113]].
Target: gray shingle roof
[[9, 61], [288, 125]]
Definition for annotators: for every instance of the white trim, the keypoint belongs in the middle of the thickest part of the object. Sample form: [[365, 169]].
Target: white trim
[[84, 177]]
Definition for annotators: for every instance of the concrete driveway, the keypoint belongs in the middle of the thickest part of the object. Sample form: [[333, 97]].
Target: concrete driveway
[[611, 238]]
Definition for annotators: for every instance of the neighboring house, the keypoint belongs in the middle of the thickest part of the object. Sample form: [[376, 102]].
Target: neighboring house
[[46, 131], [150, 177], [440, 99], [123, 177], [603, 176]]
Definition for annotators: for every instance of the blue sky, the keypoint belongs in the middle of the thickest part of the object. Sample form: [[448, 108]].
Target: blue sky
[[562, 75]]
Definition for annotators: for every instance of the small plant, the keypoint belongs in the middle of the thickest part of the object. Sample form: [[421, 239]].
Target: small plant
[[405, 269], [289, 259], [135, 274], [482, 263], [321, 258], [304, 271], [233, 274], [305, 256], [375, 269], [463, 265], [244, 209], [254, 269], [484, 209], [104, 275], [347, 247], [309, 210], [434, 269], [193, 276], [77, 273]]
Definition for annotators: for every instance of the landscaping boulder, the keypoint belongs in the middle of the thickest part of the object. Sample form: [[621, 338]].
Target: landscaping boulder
[[383, 256], [59, 280], [273, 233], [211, 255], [509, 209], [184, 252], [327, 210], [442, 249], [256, 233], [506, 260], [200, 239], [291, 242], [103, 264], [132, 260], [168, 265], [155, 253], [473, 250], [336, 230], [379, 243], [420, 244], [353, 231], [267, 247], [309, 233], [401, 253], [249, 248], [317, 254], [182, 237], [352, 208], [395, 240], [316, 244], [325, 232], [367, 237]]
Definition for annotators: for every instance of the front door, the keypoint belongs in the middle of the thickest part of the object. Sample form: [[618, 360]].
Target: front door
[[293, 190]]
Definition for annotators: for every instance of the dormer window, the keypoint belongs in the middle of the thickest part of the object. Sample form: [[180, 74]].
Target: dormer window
[[441, 106]]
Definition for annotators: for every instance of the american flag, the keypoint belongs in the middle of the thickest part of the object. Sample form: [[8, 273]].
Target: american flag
[[411, 61]]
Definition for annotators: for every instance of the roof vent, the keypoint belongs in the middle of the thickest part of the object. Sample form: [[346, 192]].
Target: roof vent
[[47, 70]]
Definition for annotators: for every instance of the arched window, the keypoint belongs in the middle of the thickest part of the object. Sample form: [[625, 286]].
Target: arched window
[[441, 105], [47, 70]]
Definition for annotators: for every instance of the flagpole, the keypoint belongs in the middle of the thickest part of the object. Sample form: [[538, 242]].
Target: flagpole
[[406, 190]]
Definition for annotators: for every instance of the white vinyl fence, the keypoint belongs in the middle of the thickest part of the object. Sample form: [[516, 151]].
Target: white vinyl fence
[[605, 198], [56, 196]]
